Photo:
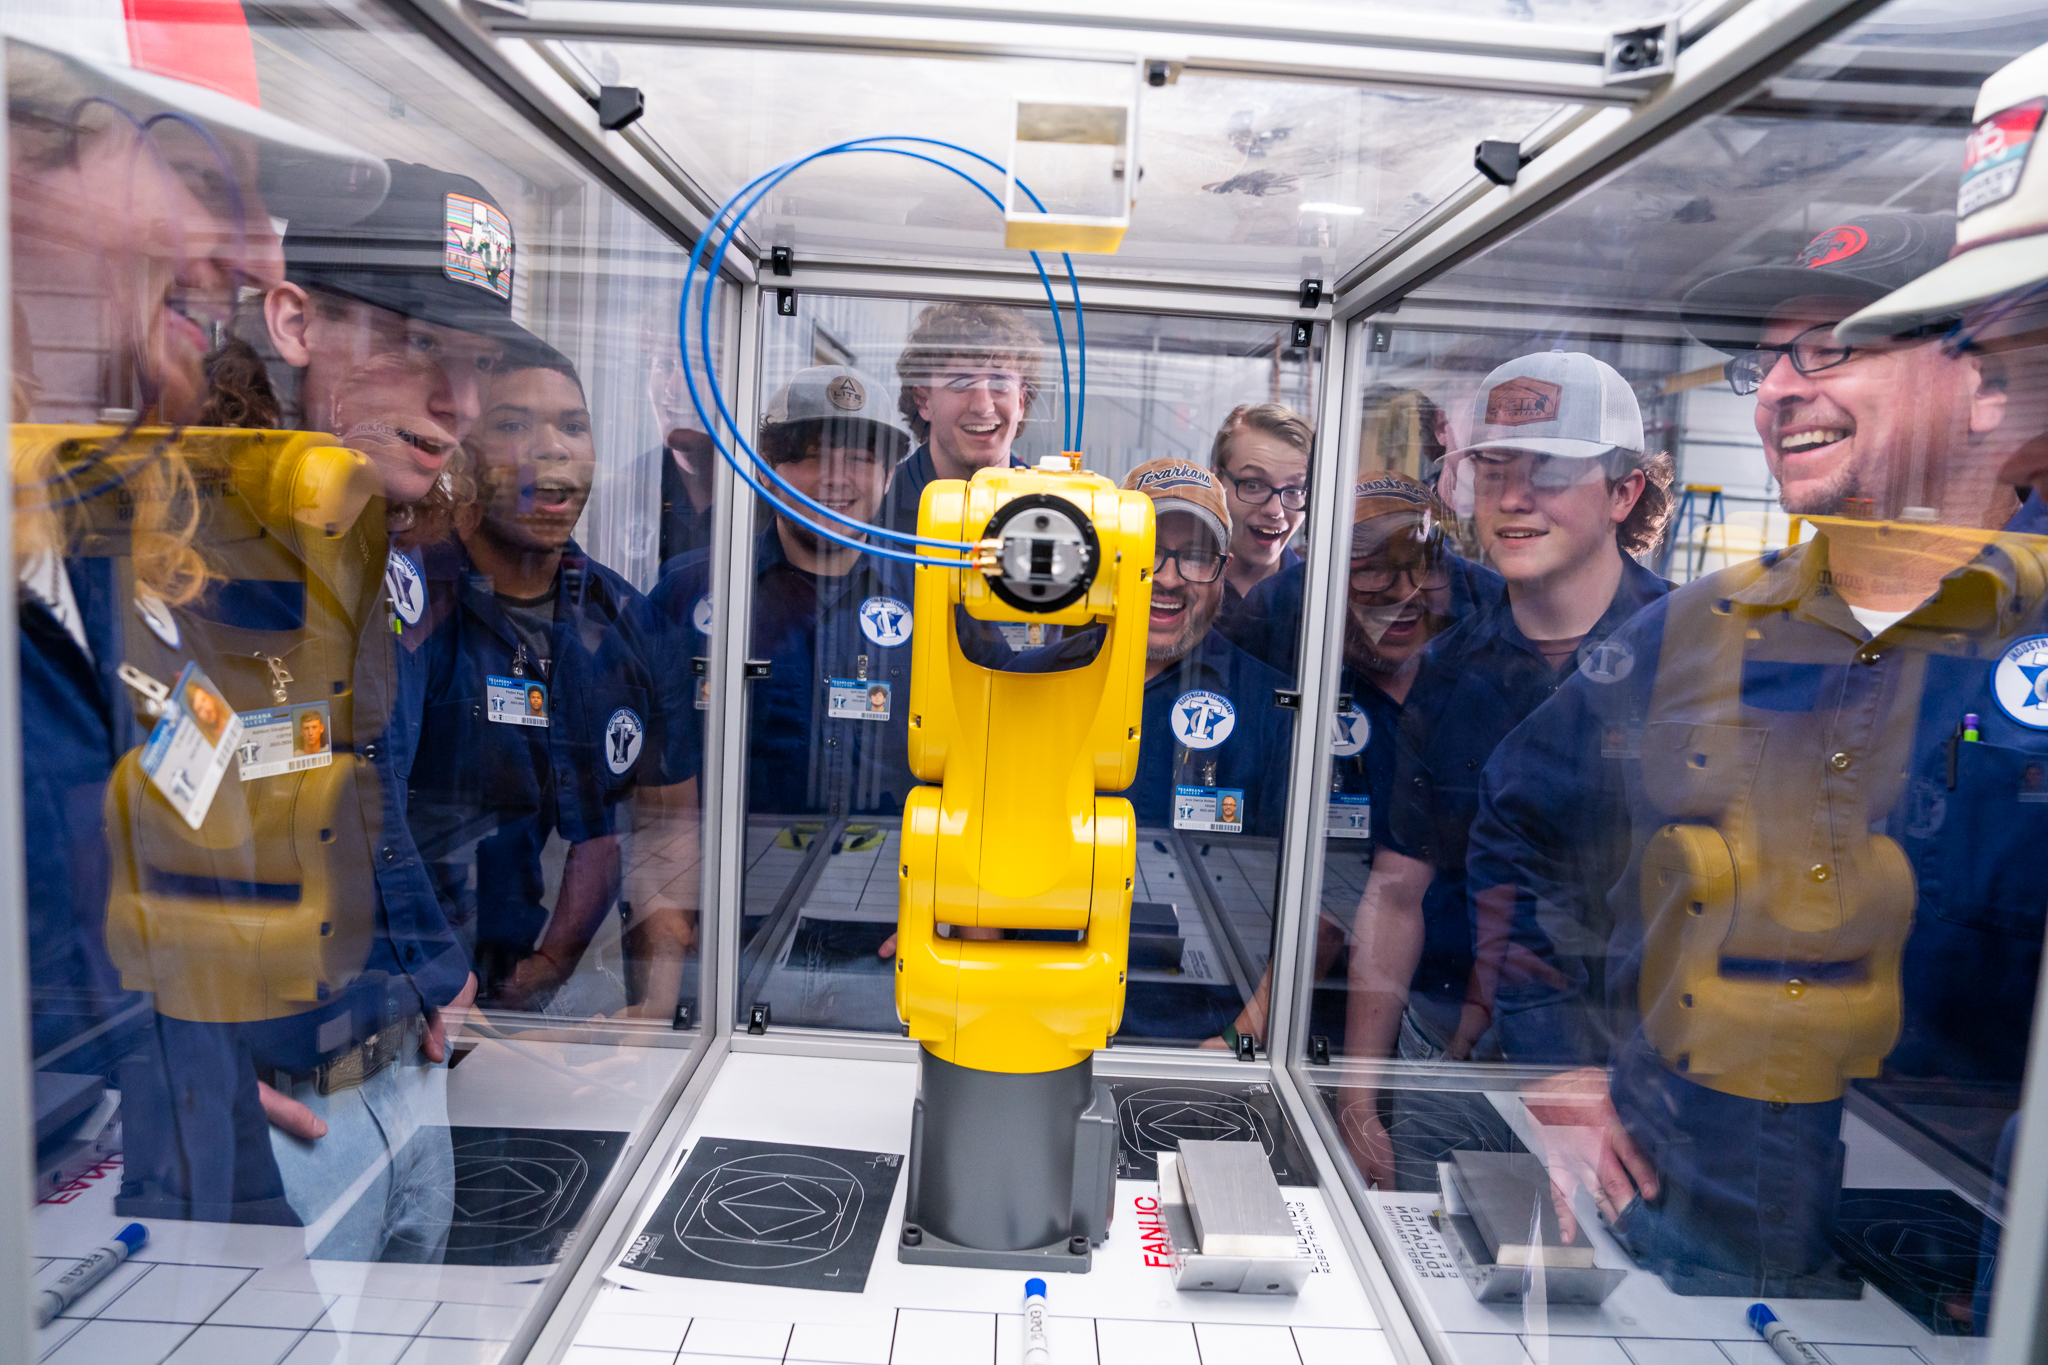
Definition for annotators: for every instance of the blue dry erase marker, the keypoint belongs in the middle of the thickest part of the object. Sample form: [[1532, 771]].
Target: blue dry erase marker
[[1037, 1350], [1790, 1349], [89, 1272]]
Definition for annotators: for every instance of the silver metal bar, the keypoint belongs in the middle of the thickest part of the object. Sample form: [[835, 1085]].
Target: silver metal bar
[[1730, 61], [539, 94], [17, 1135], [688, 182], [1410, 1329], [732, 595], [1233, 950], [1292, 41], [582, 1275], [1126, 294], [757, 958], [1297, 903], [2019, 1298]]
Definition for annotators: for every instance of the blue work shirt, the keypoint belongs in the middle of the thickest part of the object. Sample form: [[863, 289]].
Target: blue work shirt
[[1186, 739], [1476, 683], [489, 793], [906, 489], [75, 723], [1819, 733], [1237, 604], [1371, 773], [811, 629]]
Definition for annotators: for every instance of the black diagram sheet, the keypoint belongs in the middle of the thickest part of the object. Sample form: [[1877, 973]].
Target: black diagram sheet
[[764, 1213]]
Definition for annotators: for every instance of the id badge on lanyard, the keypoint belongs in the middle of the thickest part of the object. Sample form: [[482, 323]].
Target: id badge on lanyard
[[188, 751]]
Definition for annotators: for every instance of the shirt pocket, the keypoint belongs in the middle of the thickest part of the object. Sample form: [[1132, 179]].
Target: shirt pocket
[[1980, 869]]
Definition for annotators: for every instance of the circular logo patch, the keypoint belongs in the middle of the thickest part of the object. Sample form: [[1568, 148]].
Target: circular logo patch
[[623, 734], [1836, 244], [885, 621], [405, 587], [1608, 662], [1203, 719], [2019, 680], [700, 615], [158, 618], [846, 394], [1350, 732]]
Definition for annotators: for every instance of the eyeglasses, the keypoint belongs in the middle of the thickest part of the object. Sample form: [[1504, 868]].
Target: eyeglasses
[[1257, 493], [1811, 352], [994, 383], [1425, 577], [1195, 566]]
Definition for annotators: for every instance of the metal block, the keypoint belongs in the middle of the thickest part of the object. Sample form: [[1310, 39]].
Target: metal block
[[1234, 1201]]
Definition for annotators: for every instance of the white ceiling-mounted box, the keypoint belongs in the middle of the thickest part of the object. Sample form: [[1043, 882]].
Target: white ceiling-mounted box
[[1080, 160]]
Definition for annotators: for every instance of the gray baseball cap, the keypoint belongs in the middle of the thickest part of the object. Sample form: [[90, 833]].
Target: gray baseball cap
[[838, 394], [1562, 403]]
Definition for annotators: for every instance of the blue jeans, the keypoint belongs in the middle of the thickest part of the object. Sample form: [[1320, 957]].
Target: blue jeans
[[381, 1184], [1747, 1191]]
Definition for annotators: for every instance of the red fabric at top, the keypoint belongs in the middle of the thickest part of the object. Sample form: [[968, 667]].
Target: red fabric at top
[[205, 42]]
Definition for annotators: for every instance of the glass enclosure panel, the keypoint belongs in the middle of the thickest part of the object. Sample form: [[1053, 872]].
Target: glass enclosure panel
[[1677, 952], [944, 389], [359, 771], [1291, 178]]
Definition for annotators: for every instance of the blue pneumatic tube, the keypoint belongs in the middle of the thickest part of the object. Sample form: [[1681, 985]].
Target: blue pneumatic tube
[[89, 1272]]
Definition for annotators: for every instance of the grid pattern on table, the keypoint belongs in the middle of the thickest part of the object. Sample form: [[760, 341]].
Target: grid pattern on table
[[162, 1313], [1484, 1348], [915, 1336]]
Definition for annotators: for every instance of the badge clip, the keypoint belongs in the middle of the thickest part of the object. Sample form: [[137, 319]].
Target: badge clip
[[155, 696], [279, 676]]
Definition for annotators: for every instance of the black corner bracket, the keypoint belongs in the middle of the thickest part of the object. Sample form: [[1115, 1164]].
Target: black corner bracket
[[618, 105], [1500, 162]]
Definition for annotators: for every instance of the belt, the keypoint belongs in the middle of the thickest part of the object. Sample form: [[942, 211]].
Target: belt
[[349, 1068]]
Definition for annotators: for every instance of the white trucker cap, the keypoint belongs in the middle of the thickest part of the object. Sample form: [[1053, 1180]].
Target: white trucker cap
[[2001, 212], [1562, 403]]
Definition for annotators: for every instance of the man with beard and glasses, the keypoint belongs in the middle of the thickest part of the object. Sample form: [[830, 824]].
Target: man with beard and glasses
[[1990, 300], [834, 624], [539, 719], [1811, 765], [1406, 586]]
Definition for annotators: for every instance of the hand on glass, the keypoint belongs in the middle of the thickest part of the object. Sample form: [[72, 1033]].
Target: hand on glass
[[1585, 1146], [1371, 1146]]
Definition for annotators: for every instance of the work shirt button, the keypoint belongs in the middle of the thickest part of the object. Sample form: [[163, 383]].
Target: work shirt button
[[1839, 762], [1820, 872], [1774, 1213], [390, 854], [370, 752], [1867, 655]]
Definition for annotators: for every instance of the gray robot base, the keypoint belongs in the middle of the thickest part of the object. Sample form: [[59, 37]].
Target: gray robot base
[[1009, 1170]]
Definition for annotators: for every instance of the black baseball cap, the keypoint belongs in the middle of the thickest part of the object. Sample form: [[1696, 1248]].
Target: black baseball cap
[[439, 249], [1858, 261]]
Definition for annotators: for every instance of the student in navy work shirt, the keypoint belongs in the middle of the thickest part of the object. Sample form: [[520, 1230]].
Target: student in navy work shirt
[[833, 623], [1826, 878], [1565, 497], [968, 374], [1261, 456], [1406, 586], [539, 718]]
